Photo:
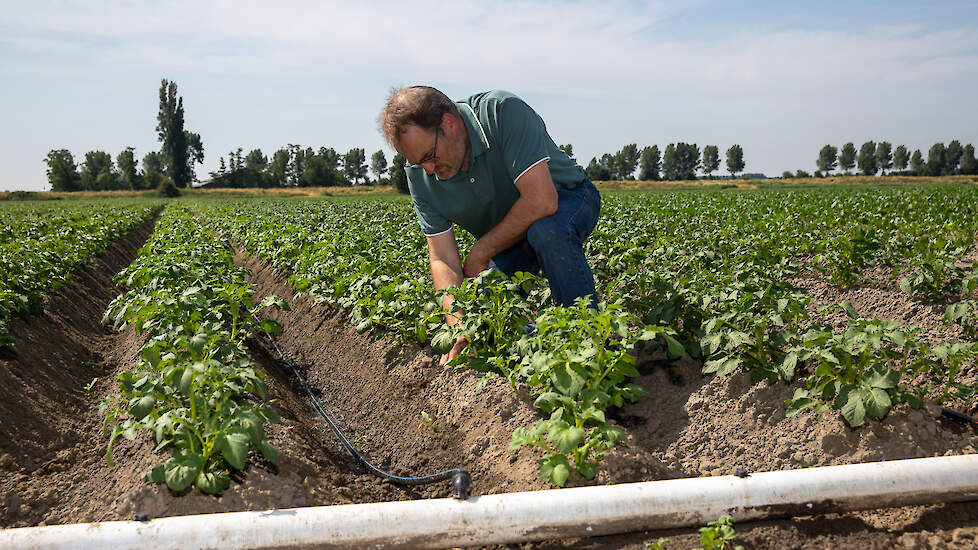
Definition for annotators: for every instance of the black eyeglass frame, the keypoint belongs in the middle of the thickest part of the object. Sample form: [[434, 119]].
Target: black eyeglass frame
[[432, 155]]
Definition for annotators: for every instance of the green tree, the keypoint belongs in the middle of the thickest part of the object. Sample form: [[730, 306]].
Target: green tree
[[126, 161], [900, 158], [320, 171], [827, 159], [847, 157], [649, 164], [670, 163], [398, 175], [884, 156], [255, 163], [568, 150], [355, 165], [378, 164], [626, 161], [969, 165], [735, 160], [169, 128], [98, 172], [278, 168], [596, 171], [936, 161], [952, 157], [711, 160], [802, 174], [916, 162], [688, 156], [152, 162], [195, 152], [867, 159], [62, 172]]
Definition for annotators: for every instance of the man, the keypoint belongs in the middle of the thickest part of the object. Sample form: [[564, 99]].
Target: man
[[488, 165]]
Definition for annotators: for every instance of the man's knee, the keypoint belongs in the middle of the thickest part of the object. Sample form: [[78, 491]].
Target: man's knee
[[548, 232]]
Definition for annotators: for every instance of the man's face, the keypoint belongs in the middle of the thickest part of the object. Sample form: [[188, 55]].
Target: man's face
[[437, 154]]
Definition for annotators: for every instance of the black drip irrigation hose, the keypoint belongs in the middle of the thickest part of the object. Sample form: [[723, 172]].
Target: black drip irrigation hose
[[461, 480], [959, 416]]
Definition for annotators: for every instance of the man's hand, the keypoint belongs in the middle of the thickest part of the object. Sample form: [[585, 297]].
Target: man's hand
[[475, 262], [460, 344]]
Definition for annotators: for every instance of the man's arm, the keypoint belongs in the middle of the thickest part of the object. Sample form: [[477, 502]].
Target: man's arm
[[538, 199], [446, 271]]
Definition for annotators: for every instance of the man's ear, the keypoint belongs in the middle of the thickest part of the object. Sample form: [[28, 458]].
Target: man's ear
[[450, 123]]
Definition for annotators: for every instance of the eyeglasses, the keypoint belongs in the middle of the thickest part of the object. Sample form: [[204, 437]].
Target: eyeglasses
[[432, 155]]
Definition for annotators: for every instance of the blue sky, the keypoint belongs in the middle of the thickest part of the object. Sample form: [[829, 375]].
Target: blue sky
[[780, 78]]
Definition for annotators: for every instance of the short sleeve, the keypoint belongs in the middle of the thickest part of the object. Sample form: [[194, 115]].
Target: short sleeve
[[432, 222], [524, 137]]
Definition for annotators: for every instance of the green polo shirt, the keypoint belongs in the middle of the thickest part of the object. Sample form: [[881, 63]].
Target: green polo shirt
[[507, 138]]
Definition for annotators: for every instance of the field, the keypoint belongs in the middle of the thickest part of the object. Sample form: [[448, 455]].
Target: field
[[754, 328]]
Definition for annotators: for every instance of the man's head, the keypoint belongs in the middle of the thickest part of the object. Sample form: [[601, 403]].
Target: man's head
[[425, 126]]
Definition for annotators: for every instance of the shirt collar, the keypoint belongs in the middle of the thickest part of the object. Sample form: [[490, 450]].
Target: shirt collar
[[477, 134]]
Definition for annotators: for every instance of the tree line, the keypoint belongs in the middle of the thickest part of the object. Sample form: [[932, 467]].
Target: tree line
[[297, 166], [172, 165], [879, 157], [679, 161]]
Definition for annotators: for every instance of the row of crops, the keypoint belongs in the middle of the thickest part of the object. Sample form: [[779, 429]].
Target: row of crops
[[704, 274], [41, 244], [194, 388]]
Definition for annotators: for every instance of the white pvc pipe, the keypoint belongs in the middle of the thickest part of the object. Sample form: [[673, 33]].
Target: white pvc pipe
[[538, 515]]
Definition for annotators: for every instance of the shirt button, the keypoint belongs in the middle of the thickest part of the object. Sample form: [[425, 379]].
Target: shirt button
[[471, 180]]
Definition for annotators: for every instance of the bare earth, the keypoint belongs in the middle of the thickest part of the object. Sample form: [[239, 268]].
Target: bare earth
[[53, 468]]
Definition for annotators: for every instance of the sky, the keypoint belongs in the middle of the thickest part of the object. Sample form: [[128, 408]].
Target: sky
[[781, 79]]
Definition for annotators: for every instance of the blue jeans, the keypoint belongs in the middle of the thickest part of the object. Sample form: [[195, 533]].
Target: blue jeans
[[554, 245]]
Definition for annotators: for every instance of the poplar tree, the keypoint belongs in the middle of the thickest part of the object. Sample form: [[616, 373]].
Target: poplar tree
[[867, 158], [735, 160], [900, 158], [169, 128], [711, 160], [847, 157], [884, 156]]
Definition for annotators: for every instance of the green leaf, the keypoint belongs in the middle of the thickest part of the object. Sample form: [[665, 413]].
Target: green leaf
[[267, 451], [143, 407], [567, 380], [564, 436], [549, 401], [881, 377], [850, 311], [556, 468], [213, 483], [850, 404], [182, 470], [788, 365], [876, 401], [442, 342], [710, 344], [156, 475], [587, 469], [905, 285], [675, 348], [271, 326], [234, 448]]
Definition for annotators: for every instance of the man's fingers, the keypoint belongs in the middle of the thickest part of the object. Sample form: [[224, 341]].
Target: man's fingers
[[460, 344]]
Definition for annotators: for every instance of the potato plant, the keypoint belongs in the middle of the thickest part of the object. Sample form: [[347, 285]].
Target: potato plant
[[194, 388]]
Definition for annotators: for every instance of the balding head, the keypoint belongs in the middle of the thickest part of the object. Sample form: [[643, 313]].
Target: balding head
[[422, 106]]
